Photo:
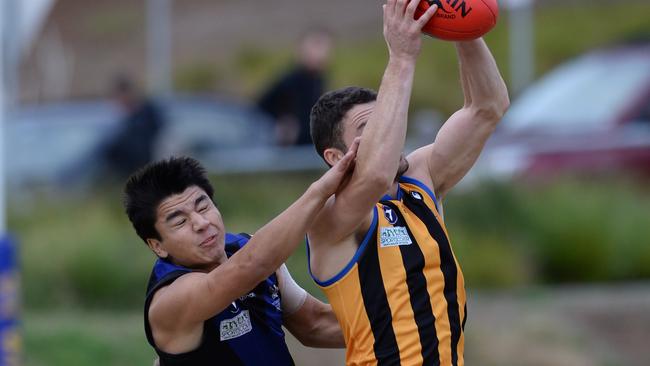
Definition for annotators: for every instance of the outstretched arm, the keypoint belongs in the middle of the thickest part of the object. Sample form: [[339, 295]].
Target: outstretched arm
[[461, 139], [183, 306], [310, 320], [315, 325], [382, 139]]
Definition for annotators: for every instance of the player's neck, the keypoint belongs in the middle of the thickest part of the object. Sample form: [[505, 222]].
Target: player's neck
[[393, 189]]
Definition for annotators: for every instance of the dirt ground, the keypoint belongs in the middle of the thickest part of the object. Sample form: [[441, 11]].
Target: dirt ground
[[561, 326]]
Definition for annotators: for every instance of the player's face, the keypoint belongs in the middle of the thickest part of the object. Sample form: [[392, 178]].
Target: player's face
[[355, 121], [191, 229]]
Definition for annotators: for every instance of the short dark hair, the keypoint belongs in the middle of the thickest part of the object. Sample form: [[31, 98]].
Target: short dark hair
[[327, 114], [149, 186]]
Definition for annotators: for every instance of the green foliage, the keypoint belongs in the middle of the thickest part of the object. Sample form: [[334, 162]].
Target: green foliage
[[73, 337], [254, 68], [568, 231], [80, 252], [112, 23], [85, 253], [197, 78]]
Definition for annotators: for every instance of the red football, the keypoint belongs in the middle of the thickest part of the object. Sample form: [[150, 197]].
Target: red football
[[460, 20]]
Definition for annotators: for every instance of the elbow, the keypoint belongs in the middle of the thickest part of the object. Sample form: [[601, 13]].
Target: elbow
[[308, 341], [504, 104], [379, 180], [492, 112], [253, 268], [500, 104]]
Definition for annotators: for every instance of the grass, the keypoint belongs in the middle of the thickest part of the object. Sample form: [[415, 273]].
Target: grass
[[76, 337]]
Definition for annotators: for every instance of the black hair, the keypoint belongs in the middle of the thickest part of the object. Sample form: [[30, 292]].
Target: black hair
[[149, 186], [326, 116]]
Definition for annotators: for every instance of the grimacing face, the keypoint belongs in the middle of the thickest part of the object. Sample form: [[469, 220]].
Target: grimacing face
[[354, 121], [191, 230]]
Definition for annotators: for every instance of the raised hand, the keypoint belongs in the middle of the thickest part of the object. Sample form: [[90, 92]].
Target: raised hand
[[336, 178], [401, 30]]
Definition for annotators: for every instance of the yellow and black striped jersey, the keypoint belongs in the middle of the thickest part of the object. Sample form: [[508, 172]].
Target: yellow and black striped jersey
[[401, 299]]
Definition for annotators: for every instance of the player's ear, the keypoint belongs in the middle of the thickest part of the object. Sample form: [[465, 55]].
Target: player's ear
[[332, 155], [156, 246]]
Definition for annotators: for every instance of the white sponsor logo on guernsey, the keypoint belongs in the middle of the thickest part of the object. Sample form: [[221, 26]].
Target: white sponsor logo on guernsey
[[416, 195], [235, 327], [275, 297], [394, 236], [250, 295]]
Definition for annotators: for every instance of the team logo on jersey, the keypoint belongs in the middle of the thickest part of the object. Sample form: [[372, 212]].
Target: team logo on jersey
[[416, 195], [234, 307], [394, 236], [390, 215], [236, 326]]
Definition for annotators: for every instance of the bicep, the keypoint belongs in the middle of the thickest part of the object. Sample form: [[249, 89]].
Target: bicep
[[304, 320], [315, 325], [455, 150], [196, 297]]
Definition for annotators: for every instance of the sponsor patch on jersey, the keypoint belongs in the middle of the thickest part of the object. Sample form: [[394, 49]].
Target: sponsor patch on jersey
[[236, 326], [394, 236], [246, 297], [390, 215], [416, 195]]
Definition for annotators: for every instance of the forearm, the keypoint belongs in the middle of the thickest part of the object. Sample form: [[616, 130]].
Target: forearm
[[461, 139], [328, 333], [386, 127], [483, 86], [275, 241], [315, 325], [385, 132]]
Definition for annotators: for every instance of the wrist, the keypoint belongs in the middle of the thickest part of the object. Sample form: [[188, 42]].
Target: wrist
[[402, 62], [317, 191]]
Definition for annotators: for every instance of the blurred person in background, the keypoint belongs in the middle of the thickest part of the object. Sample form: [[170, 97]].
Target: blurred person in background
[[220, 298], [289, 99], [379, 248], [141, 122]]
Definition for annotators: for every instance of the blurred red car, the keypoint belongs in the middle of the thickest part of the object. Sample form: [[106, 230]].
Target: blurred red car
[[589, 116]]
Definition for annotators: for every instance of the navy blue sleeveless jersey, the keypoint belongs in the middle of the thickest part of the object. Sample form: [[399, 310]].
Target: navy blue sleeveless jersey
[[248, 332]]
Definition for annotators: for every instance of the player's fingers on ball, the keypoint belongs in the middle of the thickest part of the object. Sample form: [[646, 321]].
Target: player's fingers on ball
[[424, 19], [410, 8], [401, 6]]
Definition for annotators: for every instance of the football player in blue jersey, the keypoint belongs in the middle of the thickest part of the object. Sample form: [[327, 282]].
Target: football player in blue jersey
[[220, 297]]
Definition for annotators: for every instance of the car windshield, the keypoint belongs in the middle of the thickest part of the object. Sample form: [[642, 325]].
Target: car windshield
[[589, 93]]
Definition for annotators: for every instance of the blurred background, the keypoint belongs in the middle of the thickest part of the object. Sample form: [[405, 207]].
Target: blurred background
[[552, 226]]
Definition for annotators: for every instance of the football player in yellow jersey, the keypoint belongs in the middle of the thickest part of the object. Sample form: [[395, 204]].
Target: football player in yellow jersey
[[379, 248]]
